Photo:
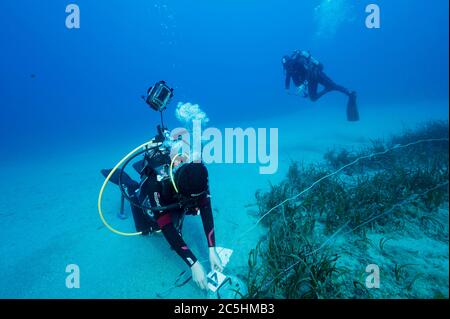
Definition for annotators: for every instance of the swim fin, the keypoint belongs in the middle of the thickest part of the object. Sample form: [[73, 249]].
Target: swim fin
[[127, 181], [352, 108]]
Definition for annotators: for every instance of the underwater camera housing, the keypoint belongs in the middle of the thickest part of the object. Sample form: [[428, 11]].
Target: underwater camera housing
[[159, 95]]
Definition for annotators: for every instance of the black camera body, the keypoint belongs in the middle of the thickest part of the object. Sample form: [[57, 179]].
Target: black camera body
[[159, 96]]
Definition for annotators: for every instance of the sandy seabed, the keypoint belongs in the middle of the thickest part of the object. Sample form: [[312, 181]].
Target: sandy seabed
[[48, 211]]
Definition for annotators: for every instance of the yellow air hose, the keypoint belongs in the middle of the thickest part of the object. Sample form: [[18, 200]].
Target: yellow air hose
[[100, 196], [171, 172], [172, 179]]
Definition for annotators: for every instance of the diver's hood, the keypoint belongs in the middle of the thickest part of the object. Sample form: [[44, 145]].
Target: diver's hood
[[191, 179]]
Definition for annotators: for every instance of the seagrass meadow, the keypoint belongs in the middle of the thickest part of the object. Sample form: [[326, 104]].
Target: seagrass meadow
[[384, 205]]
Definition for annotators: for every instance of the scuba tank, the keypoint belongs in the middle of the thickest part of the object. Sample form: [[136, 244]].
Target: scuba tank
[[310, 61]]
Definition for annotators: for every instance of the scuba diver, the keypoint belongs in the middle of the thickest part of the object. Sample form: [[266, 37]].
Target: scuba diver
[[165, 193], [307, 73]]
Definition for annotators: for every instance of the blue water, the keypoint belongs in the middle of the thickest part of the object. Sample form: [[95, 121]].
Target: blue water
[[223, 55], [66, 91]]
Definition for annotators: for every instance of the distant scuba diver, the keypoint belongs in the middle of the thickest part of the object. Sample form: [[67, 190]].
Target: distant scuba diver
[[307, 73], [166, 194]]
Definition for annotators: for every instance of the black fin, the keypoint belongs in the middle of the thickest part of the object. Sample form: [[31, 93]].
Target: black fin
[[352, 109], [127, 181]]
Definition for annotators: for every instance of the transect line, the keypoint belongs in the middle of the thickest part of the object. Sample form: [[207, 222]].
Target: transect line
[[337, 172], [406, 201]]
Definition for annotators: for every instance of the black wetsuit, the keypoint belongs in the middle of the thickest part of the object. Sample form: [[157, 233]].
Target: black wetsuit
[[301, 70], [161, 193]]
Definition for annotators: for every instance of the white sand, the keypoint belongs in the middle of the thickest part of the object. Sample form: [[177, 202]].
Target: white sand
[[49, 213]]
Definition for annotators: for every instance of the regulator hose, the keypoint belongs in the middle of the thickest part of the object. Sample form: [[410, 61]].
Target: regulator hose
[[100, 195], [125, 161]]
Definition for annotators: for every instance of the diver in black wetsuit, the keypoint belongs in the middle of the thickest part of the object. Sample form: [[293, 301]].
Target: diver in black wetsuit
[[190, 190], [167, 192], [307, 73]]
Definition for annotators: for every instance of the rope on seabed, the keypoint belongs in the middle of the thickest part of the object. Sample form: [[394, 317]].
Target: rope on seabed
[[398, 146], [406, 201]]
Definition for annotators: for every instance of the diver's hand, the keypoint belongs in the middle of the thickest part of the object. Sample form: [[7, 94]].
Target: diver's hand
[[214, 260], [302, 89], [199, 275]]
